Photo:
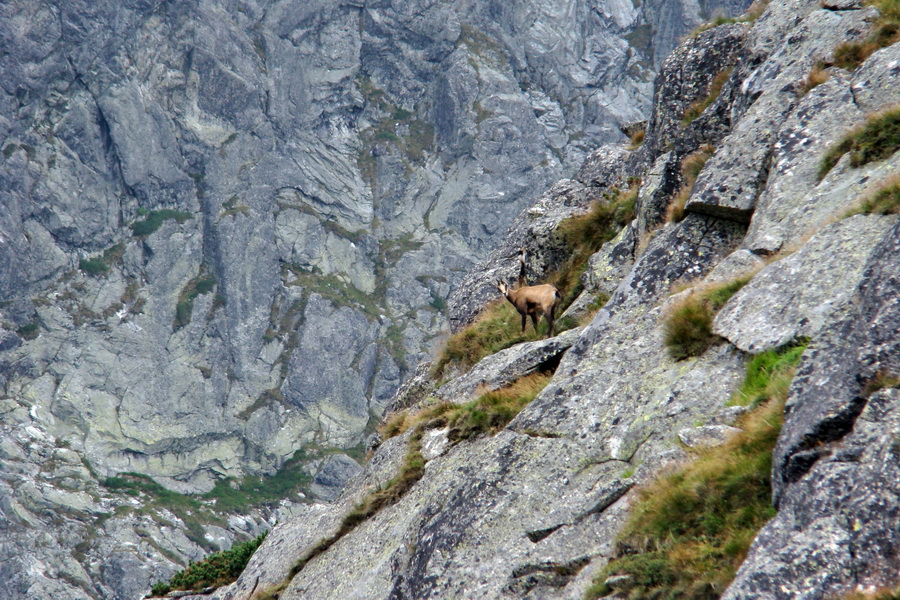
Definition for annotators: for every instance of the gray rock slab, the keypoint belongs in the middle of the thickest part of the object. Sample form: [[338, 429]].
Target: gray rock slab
[[707, 436], [334, 474], [874, 82], [505, 367], [800, 294]]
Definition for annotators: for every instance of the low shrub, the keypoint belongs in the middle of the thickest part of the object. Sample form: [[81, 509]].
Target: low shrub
[[215, 570], [876, 139], [884, 201], [29, 331], [636, 139], [687, 329], [93, 266]]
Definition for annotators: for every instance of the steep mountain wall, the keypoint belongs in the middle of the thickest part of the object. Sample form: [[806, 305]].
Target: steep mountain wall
[[533, 511], [229, 229]]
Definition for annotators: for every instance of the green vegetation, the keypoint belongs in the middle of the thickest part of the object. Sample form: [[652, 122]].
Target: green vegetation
[[232, 496], [688, 325], [754, 12], [216, 570], [233, 207], [29, 331], [886, 31], [585, 234], [99, 265], [715, 88], [879, 594], [876, 139], [885, 200], [93, 266], [689, 531], [203, 283], [769, 375], [881, 381], [690, 170], [332, 288], [154, 220], [486, 415]]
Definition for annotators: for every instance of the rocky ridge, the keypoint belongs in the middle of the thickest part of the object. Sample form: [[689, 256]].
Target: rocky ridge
[[533, 511]]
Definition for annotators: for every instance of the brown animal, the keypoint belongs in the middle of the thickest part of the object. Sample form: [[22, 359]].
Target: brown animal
[[531, 301]]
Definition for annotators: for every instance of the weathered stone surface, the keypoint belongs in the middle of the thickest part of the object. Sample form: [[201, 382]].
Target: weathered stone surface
[[333, 476], [707, 436], [504, 367], [607, 267], [802, 293], [735, 175], [873, 82]]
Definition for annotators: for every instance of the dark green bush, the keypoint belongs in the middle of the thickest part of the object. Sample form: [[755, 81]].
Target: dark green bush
[[216, 570]]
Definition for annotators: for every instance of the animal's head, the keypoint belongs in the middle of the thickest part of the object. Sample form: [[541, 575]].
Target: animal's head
[[502, 286]]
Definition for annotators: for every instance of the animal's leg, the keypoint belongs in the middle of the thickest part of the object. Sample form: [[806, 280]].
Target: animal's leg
[[524, 322], [534, 321]]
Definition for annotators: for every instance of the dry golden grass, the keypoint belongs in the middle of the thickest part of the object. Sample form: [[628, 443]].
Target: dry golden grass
[[715, 88], [690, 170], [884, 200], [818, 75]]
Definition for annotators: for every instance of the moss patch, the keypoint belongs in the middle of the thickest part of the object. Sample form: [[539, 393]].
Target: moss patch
[[203, 283]]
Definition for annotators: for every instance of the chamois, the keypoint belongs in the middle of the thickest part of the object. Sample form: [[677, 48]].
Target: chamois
[[530, 300]]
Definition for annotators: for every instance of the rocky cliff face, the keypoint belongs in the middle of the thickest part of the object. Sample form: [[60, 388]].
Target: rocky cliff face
[[533, 511], [229, 230]]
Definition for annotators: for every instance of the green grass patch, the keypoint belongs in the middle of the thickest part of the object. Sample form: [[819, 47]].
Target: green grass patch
[[216, 570], [334, 289], [696, 109], [154, 220], [769, 374], [689, 531], [232, 496], [884, 201], [203, 283], [876, 139], [687, 328], [885, 31]]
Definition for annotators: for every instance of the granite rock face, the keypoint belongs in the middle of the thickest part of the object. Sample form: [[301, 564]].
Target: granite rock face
[[332, 173]]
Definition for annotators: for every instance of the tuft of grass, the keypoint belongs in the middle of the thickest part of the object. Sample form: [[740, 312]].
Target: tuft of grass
[[715, 88], [818, 75], [754, 11], [215, 570], [885, 593], [232, 496], [636, 139], [687, 329], [690, 170], [769, 375], [885, 31], [881, 381], [876, 139], [154, 220], [884, 201], [689, 531]]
